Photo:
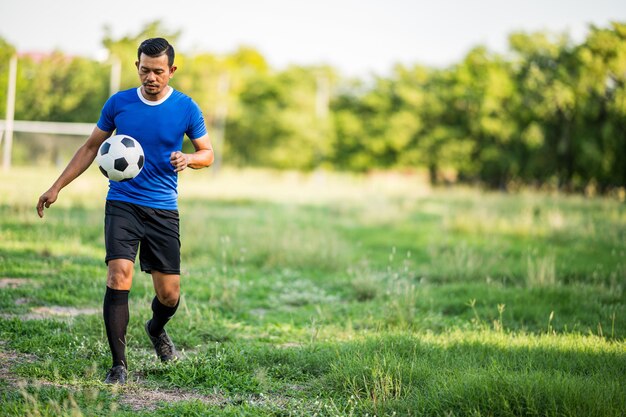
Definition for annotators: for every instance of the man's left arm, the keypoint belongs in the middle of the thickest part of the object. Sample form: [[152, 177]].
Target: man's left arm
[[201, 158]]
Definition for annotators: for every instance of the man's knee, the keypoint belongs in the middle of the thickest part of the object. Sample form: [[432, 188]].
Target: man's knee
[[120, 274], [167, 288], [169, 297]]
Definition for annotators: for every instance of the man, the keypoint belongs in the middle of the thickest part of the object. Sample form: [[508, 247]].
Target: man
[[143, 211]]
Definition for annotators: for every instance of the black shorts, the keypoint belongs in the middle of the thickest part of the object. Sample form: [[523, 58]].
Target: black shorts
[[128, 226]]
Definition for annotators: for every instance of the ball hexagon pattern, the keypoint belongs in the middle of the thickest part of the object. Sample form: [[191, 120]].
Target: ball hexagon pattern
[[120, 158]]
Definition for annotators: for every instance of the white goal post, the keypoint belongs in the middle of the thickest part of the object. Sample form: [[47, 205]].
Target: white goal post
[[59, 128], [8, 126], [27, 126]]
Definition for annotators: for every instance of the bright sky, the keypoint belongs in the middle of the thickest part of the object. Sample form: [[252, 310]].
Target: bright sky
[[358, 37]]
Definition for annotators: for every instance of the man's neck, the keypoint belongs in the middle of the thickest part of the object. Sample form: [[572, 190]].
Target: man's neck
[[152, 97]]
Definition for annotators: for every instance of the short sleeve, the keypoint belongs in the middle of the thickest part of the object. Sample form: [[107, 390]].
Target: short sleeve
[[107, 121], [196, 128]]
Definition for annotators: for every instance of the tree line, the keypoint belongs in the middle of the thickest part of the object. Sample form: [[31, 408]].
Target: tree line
[[547, 111]]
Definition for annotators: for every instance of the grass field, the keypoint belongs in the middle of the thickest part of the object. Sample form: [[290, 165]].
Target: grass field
[[324, 295]]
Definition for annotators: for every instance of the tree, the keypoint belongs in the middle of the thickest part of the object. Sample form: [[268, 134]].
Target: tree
[[602, 109], [484, 94], [60, 88], [6, 52], [545, 76], [277, 124]]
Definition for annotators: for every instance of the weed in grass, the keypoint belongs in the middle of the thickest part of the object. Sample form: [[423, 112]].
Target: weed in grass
[[541, 272], [365, 288], [364, 283], [550, 329], [376, 386], [299, 292], [224, 293], [48, 400], [401, 305], [472, 305], [498, 325]]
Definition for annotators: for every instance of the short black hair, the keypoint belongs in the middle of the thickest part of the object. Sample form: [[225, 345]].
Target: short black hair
[[156, 47]]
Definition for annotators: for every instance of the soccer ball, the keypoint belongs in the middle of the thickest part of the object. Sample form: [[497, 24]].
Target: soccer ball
[[120, 158]]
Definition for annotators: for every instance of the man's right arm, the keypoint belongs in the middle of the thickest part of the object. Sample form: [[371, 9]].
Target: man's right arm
[[81, 160]]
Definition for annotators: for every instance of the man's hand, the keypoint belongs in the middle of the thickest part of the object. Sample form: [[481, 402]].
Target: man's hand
[[179, 160], [46, 200]]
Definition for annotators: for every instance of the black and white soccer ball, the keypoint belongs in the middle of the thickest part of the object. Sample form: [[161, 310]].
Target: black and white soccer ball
[[120, 158]]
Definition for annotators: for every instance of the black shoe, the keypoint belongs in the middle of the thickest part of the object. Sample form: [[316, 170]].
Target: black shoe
[[116, 375], [163, 345]]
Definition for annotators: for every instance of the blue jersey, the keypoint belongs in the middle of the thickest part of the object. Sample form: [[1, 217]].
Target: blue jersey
[[159, 126]]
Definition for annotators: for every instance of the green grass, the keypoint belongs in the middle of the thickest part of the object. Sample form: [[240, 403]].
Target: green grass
[[325, 295]]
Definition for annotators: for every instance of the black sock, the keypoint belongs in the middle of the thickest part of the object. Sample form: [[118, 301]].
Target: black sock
[[115, 313], [161, 314]]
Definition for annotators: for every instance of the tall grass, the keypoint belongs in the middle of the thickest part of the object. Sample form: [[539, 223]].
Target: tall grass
[[325, 295]]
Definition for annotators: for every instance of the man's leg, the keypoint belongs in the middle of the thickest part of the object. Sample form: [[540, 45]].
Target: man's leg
[[165, 303], [160, 256], [116, 315], [164, 306]]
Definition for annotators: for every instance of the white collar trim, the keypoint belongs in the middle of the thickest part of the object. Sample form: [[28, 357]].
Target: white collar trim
[[154, 103]]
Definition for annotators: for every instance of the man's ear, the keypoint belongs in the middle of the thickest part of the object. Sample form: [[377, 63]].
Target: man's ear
[[173, 69], [137, 64]]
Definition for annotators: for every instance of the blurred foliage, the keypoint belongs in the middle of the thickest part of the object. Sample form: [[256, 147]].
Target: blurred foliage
[[548, 111]]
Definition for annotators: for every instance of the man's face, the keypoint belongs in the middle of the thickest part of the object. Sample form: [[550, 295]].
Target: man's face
[[155, 74]]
